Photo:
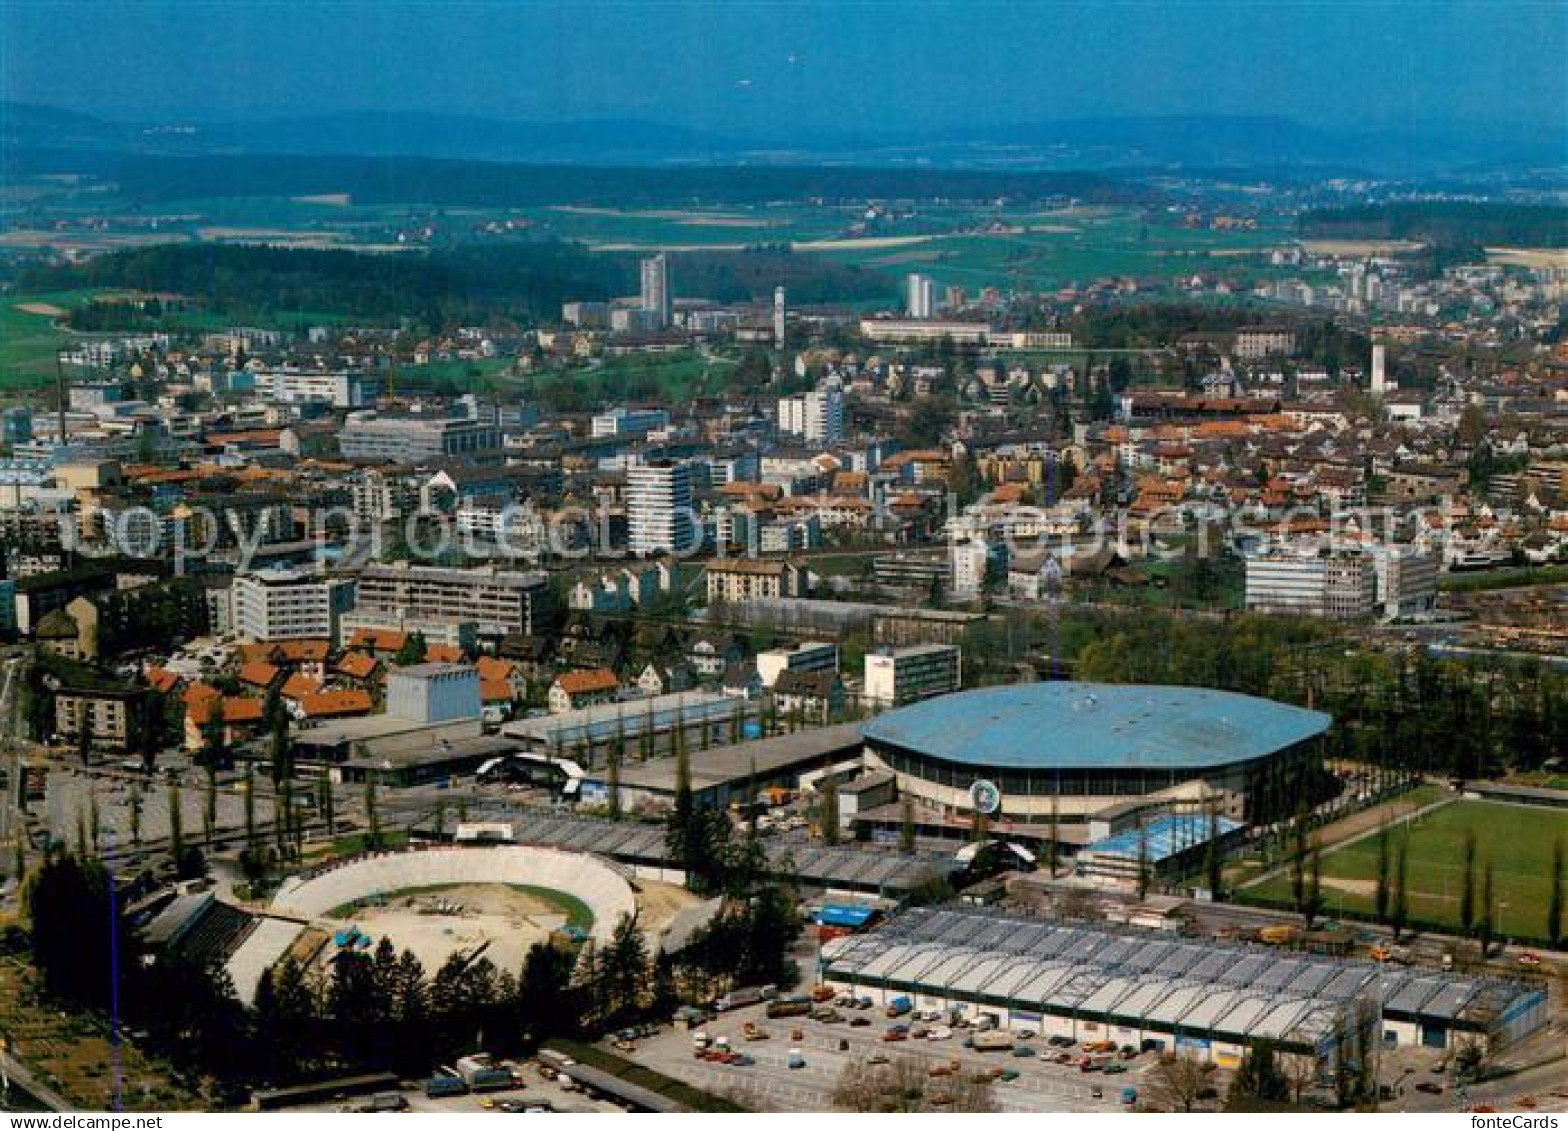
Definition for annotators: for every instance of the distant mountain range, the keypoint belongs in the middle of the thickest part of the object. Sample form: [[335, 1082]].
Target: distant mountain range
[[1142, 143]]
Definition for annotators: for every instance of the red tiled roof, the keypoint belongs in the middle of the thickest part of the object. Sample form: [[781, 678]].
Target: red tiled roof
[[588, 681], [491, 667], [378, 639], [332, 703], [162, 680], [357, 665], [299, 686], [258, 674]]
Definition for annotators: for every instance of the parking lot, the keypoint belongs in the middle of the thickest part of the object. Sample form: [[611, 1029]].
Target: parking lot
[[534, 1092], [770, 1084]]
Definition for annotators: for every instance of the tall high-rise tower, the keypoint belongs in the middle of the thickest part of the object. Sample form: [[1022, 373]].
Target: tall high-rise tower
[[1379, 368], [778, 317], [659, 515], [918, 296], [656, 289]]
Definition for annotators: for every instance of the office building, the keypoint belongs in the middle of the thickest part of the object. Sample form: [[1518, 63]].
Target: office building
[[629, 423], [338, 388], [659, 512], [811, 656], [290, 604], [497, 601], [1334, 585], [1406, 581], [656, 298], [895, 676], [369, 435]]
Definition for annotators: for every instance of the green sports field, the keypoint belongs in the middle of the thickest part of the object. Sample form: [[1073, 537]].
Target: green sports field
[[1516, 838]]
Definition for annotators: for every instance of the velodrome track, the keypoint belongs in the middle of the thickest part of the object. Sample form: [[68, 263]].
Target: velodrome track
[[605, 891]]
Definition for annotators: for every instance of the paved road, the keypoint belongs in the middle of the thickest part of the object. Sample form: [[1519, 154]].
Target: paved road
[[22, 1077]]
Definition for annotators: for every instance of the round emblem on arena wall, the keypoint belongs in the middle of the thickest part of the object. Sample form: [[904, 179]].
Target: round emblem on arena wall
[[985, 797]]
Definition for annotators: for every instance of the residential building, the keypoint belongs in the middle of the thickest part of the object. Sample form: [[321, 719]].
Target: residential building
[[1254, 342], [816, 417], [742, 579], [655, 290], [918, 292], [970, 562], [572, 691], [815, 697], [112, 716], [659, 507], [290, 604], [895, 676]]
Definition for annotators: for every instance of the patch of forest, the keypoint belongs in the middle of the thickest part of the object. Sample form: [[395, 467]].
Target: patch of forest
[[437, 288], [1444, 223]]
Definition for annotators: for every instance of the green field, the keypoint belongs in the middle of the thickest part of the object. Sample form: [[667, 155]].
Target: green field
[[28, 340], [669, 379], [963, 245], [1517, 839]]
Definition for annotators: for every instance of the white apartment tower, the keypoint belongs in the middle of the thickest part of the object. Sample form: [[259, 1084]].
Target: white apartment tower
[[290, 604], [659, 515], [656, 289], [778, 318], [918, 295], [817, 417], [1379, 369]]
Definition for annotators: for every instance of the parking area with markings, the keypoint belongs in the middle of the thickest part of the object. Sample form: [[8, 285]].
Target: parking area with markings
[[769, 1083]]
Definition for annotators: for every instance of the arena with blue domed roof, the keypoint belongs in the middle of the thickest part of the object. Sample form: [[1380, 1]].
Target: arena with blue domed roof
[[1069, 750]]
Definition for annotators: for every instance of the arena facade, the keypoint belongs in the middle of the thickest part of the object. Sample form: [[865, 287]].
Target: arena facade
[[1067, 751]]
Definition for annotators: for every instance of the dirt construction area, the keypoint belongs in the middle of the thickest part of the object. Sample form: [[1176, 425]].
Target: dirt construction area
[[499, 922]]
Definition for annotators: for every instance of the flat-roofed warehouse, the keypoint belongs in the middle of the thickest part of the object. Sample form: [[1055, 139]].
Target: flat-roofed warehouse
[[588, 734], [643, 849], [723, 774], [1089, 981]]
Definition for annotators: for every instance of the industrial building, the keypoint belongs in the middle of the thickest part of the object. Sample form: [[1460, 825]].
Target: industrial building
[[647, 725], [643, 850], [1065, 751], [1090, 981]]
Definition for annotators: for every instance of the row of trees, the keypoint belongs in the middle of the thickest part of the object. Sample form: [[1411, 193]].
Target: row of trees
[[378, 1010], [1400, 711]]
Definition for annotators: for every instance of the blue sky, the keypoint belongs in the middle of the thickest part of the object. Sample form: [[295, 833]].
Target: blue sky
[[766, 68]]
